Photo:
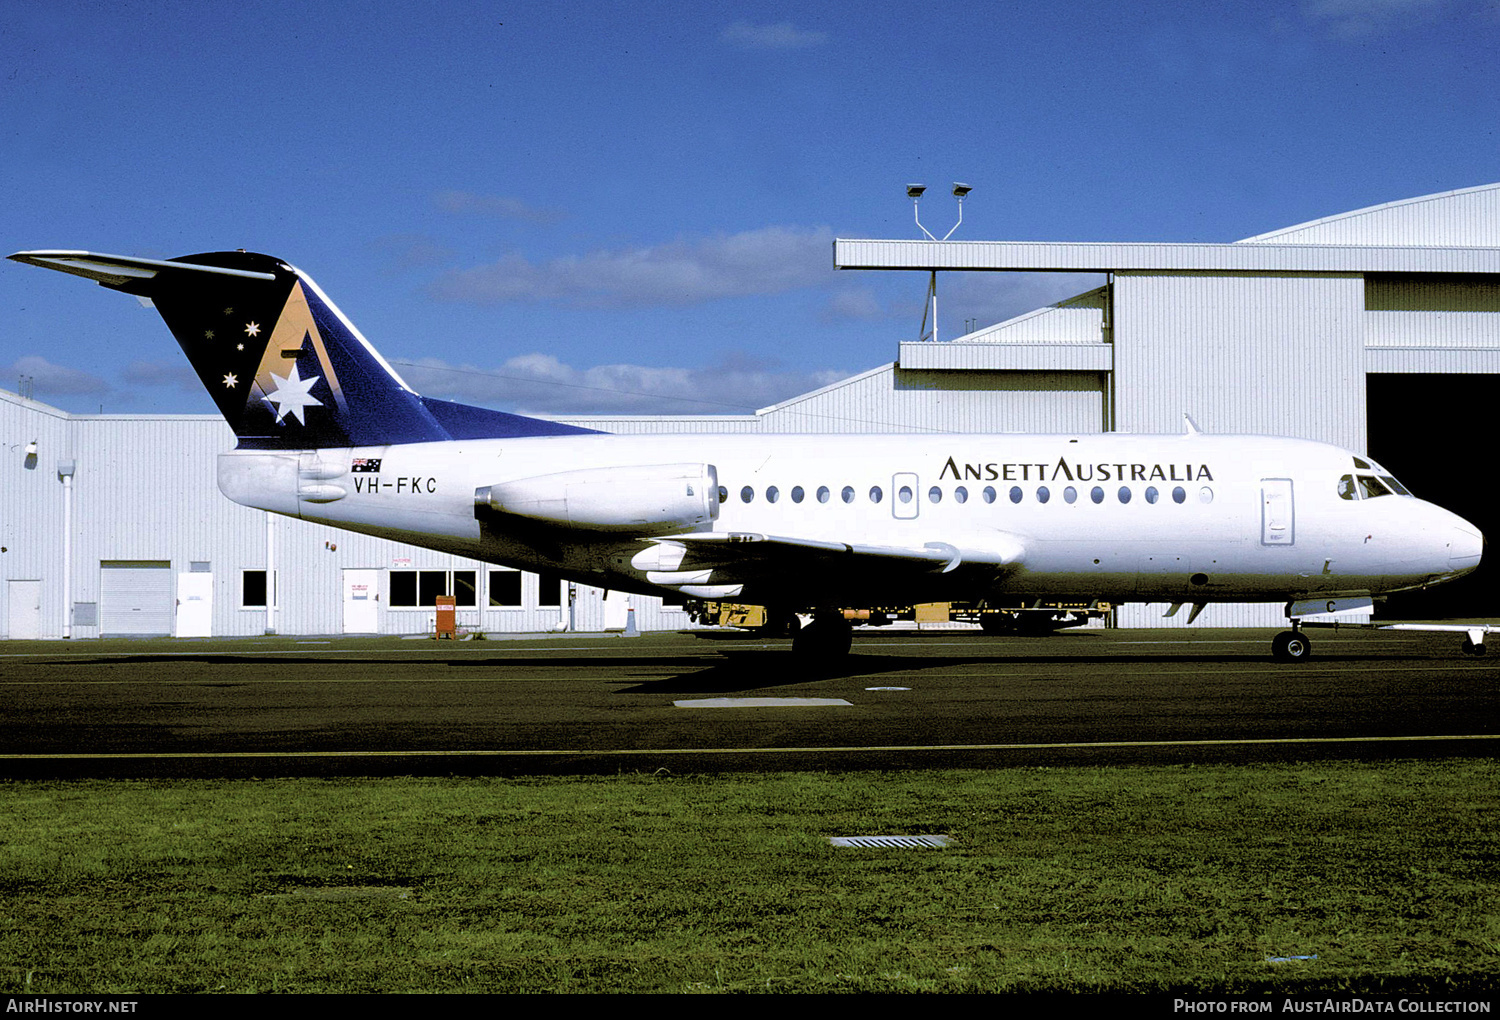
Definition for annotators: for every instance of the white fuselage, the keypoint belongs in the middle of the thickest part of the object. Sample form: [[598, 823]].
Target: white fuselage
[[1190, 518]]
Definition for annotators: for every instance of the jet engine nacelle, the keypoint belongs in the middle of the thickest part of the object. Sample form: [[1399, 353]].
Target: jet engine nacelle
[[643, 499]]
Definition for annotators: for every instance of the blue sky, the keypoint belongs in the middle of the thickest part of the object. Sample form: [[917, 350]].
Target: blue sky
[[600, 207]]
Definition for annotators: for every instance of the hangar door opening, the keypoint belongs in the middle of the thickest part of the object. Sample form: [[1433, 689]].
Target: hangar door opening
[[135, 598], [1432, 432]]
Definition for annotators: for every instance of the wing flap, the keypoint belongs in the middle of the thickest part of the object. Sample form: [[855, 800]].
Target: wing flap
[[739, 555]]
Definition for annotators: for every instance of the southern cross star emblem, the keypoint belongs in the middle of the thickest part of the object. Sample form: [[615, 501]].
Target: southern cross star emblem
[[230, 380], [291, 395], [252, 329]]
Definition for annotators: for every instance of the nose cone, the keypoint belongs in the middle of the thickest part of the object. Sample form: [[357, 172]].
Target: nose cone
[[1465, 548]]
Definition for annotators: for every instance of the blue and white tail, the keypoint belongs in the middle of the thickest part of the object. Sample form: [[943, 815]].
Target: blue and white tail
[[286, 368]]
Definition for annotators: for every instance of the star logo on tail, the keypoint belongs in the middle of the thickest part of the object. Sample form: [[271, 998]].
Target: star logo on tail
[[292, 395]]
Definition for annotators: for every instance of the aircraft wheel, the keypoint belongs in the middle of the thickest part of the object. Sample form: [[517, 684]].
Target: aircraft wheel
[[1291, 646]]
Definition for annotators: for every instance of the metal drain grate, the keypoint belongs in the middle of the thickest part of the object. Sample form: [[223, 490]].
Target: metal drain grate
[[893, 842]]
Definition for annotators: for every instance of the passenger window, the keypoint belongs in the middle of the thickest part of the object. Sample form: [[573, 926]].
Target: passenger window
[[848, 494], [723, 494], [989, 494], [747, 494], [875, 494], [1070, 494], [1124, 494], [1043, 494], [934, 495], [1015, 494], [1346, 488], [1205, 495], [1151, 494], [960, 495], [772, 493], [905, 495], [1179, 494], [1097, 494], [823, 494], [796, 494]]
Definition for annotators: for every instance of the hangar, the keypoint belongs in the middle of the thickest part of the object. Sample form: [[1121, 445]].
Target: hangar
[[1377, 329]]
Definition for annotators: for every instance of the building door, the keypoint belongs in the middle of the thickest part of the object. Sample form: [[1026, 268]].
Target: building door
[[361, 601], [195, 605], [135, 598], [906, 498], [1278, 519], [24, 612]]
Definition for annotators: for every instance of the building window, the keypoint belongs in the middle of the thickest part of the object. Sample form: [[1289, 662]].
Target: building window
[[254, 589], [549, 590], [505, 589], [420, 588]]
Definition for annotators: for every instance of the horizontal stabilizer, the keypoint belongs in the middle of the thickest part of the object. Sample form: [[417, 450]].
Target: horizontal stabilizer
[[121, 270]]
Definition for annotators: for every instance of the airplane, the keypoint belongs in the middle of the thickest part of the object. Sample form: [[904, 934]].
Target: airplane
[[800, 524]]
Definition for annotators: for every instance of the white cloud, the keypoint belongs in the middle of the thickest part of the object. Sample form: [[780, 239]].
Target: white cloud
[[996, 297], [770, 260], [162, 373], [859, 303], [469, 203], [541, 384], [781, 36], [1360, 19], [49, 380]]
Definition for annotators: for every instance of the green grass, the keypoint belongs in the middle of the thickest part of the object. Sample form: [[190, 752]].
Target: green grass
[[1121, 879]]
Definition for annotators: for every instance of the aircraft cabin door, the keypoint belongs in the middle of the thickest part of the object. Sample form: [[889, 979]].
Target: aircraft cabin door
[[1277, 517], [905, 496]]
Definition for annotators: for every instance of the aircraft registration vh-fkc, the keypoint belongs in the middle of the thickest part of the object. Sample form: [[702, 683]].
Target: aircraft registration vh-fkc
[[799, 524]]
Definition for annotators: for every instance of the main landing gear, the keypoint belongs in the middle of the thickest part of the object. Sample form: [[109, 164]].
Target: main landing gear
[[1291, 645]]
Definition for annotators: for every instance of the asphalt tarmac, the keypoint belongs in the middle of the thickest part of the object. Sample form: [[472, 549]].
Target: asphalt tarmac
[[608, 703]]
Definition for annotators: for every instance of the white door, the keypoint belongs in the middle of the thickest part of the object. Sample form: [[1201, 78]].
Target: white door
[[135, 599], [361, 601], [195, 605], [24, 612], [616, 610], [1278, 517]]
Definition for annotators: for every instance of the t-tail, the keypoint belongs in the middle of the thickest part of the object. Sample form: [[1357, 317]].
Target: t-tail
[[286, 368]]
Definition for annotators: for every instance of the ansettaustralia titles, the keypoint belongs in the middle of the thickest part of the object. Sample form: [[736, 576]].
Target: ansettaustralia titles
[[1354, 1005], [1021, 471]]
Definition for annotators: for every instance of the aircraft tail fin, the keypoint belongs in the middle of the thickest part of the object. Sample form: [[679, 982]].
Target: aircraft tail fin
[[286, 368]]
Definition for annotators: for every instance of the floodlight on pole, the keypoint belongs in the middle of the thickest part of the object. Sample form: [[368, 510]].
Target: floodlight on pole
[[914, 192], [960, 192]]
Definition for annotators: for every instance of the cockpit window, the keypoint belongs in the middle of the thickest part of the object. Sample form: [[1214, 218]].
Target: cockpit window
[[1374, 480], [1346, 488]]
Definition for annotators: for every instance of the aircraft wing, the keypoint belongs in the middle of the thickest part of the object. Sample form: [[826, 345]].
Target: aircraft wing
[[733, 557]]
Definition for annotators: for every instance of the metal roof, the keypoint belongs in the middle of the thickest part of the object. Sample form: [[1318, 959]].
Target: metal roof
[[1109, 257]]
